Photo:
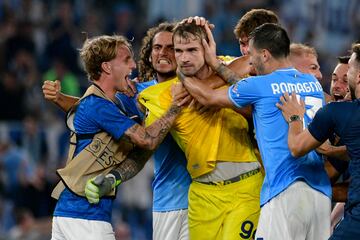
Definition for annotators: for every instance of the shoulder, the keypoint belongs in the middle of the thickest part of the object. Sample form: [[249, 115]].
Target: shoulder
[[95, 106]]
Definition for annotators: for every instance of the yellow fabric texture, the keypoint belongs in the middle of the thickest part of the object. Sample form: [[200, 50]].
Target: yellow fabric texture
[[225, 212], [205, 138]]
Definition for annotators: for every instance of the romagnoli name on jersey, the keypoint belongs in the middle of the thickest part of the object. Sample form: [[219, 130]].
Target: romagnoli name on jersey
[[304, 87]]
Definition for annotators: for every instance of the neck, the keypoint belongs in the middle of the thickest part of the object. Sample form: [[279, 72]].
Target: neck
[[163, 77], [109, 91], [276, 64], [204, 72]]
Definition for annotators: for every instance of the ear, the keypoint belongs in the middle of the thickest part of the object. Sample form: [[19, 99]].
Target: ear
[[150, 59], [265, 55], [105, 66]]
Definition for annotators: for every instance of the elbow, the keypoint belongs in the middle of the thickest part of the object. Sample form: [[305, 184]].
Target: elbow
[[295, 153], [295, 150]]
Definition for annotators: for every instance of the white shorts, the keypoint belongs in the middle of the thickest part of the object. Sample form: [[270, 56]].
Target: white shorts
[[64, 228], [298, 213], [171, 225]]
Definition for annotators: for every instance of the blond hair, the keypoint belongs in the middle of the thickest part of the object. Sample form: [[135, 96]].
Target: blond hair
[[100, 49], [299, 49]]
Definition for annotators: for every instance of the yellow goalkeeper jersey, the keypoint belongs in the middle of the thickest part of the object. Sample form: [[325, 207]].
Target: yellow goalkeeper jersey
[[205, 138]]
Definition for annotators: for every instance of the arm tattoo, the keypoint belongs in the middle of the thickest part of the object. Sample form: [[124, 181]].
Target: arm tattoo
[[153, 135], [157, 131], [133, 164], [227, 74]]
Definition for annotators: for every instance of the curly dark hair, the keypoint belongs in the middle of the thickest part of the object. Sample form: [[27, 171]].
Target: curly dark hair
[[146, 70]]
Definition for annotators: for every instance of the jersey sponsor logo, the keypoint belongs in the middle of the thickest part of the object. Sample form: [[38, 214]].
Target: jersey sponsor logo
[[304, 87]]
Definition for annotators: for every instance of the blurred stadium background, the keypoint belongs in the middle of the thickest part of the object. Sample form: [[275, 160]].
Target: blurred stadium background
[[39, 40]]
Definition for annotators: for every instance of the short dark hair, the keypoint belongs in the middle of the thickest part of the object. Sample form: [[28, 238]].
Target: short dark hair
[[356, 49], [273, 38], [343, 59], [252, 19], [190, 31]]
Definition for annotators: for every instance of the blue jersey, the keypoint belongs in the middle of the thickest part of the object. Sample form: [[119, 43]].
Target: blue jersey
[[94, 114], [281, 168], [171, 178], [342, 118]]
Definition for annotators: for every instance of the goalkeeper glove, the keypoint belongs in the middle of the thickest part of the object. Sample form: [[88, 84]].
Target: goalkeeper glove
[[100, 186]]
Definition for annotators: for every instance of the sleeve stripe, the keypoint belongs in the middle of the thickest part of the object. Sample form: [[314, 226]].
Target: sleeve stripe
[[231, 99]]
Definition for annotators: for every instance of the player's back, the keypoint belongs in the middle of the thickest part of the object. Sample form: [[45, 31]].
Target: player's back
[[272, 130]]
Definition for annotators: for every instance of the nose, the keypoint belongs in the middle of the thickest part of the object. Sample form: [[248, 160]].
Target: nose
[[133, 64], [318, 75], [162, 51]]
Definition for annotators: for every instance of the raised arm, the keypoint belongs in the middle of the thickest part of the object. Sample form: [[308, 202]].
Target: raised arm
[[52, 92]]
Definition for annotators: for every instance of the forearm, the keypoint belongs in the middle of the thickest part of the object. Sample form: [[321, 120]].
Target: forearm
[[295, 128], [157, 131], [150, 137], [65, 102], [226, 74], [340, 191], [133, 164], [338, 152]]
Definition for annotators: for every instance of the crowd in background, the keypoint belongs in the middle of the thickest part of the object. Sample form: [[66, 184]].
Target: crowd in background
[[39, 40]]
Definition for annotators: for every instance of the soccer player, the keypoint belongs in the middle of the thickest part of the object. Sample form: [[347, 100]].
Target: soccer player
[[339, 88], [304, 59], [104, 140], [224, 193], [171, 180], [249, 22], [329, 120], [296, 192]]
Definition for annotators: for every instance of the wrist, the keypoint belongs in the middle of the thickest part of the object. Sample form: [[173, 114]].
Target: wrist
[[294, 118], [115, 175], [216, 66]]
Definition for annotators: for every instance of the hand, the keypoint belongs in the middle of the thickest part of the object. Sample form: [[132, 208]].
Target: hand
[[99, 186], [199, 21], [180, 96], [200, 108], [210, 49], [291, 106], [51, 90], [324, 148]]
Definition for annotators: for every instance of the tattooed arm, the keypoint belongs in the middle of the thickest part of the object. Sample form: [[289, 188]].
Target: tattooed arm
[[132, 165], [150, 137]]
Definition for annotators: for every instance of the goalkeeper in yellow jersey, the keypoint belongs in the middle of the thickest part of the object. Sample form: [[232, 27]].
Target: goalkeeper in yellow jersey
[[224, 194]]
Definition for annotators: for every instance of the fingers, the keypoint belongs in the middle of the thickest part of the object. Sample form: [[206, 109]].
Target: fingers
[[50, 89], [99, 180], [205, 45], [209, 35], [92, 192], [184, 101]]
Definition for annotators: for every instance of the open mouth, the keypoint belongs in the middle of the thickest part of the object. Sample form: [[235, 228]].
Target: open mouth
[[163, 61], [338, 96]]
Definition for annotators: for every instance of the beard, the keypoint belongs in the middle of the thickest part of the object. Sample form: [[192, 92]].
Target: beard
[[352, 93], [167, 75]]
